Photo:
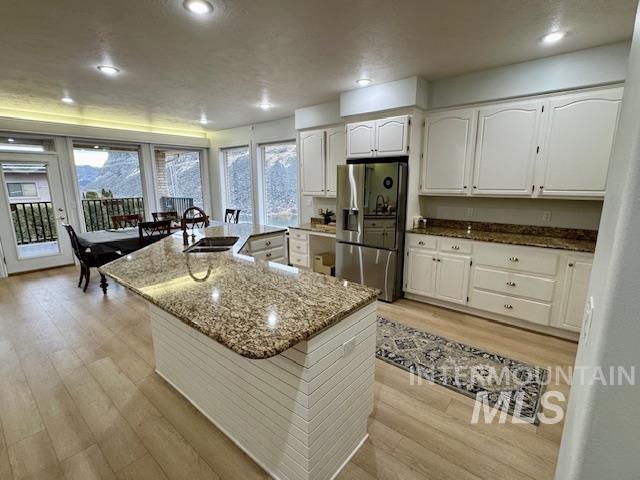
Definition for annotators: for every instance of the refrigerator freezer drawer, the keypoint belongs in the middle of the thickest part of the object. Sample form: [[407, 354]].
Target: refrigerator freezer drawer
[[373, 267]]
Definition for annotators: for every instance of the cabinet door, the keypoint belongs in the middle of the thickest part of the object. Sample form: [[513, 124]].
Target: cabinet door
[[336, 155], [449, 139], [361, 139], [312, 162], [574, 297], [452, 279], [421, 272], [392, 136], [580, 129], [506, 149]]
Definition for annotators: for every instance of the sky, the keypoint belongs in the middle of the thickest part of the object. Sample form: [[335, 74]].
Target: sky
[[94, 158]]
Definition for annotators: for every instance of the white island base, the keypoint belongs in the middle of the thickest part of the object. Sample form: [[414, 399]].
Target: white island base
[[302, 414]]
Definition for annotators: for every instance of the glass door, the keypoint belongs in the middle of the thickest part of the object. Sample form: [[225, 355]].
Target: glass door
[[32, 212]]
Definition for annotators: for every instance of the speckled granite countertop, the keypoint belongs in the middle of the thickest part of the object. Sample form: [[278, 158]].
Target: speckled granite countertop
[[256, 308], [576, 240], [312, 227]]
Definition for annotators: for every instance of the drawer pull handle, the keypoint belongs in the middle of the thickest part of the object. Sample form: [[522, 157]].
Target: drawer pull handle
[[421, 243], [455, 247], [511, 284], [508, 306], [267, 243], [268, 255], [514, 259]]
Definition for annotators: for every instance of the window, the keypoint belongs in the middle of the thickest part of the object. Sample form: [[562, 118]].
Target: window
[[178, 179], [280, 184], [22, 189], [237, 181], [109, 182], [26, 145]]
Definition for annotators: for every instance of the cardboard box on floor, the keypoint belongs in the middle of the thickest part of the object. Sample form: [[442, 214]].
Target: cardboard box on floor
[[325, 263]]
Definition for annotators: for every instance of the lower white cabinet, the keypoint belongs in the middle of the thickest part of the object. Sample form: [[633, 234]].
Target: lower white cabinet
[[267, 247], [574, 298], [540, 286]]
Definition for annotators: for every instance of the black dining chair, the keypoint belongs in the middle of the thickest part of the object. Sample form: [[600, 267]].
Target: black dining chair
[[87, 260], [150, 232], [232, 215], [124, 221]]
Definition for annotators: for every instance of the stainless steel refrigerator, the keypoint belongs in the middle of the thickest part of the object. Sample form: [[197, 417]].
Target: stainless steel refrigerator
[[370, 220]]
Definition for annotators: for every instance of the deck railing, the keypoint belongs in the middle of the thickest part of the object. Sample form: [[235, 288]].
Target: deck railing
[[179, 204], [33, 222], [98, 212]]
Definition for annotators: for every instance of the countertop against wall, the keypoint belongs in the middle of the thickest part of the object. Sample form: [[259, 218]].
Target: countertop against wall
[[577, 240]]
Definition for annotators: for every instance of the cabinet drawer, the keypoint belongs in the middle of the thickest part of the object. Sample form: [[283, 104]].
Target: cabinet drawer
[[263, 243], [453, 245], [298, 235], [298, 260], [529, 310], [522, 259], [421, 241], [536, 288], [271, 254], [297, 246]]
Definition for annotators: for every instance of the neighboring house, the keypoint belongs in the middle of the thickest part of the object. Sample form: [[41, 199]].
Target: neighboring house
[[27, 185]]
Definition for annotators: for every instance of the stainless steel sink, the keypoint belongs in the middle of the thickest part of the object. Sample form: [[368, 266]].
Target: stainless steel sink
[[212, 244]]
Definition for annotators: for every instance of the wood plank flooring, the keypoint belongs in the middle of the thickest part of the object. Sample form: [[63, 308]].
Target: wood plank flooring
[[79, 399]]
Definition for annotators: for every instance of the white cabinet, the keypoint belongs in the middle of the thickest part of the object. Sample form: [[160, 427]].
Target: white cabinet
[[574, 295], [506, 149], [449, 140], [579, 133], [452, 278], [392, 136], [312, 160], [386, 137], [421, 272], [361, 139], [321, 151], [336, 155]]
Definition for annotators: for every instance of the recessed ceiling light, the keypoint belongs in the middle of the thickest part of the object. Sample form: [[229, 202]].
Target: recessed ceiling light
[[199, 7], [363, 82], [265, 106], [96, 146], [11, 140], [67, 100], [553, 37], [108, 70], [203, 120]]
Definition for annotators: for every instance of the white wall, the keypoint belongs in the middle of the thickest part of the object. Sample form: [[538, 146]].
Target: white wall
[[520, 211], [315, 116], [595, 66], [600, 439], [251, 136]]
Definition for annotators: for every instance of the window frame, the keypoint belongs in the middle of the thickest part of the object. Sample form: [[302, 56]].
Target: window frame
[[223, 184], [262, 200], [35, 187]]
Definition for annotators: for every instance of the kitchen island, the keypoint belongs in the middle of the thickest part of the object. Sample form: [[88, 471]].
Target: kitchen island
[[281, 360]]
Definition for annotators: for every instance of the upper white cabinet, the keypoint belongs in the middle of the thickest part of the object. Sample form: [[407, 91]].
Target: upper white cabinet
[[385, 137], [361, 139], [506, 149], [312, 160], [579, 133], [336, 155], [321, 151], [449, 139]]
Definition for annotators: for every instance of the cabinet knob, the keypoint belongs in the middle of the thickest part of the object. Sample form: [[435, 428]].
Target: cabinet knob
[[508, 306], [541, 187], [433, 259], [455, 247], [464, 187], [421, 243], [511, 284], [268, 255], [267, 243], [514, 259], [438, 259], [475, 186], [571, 264]]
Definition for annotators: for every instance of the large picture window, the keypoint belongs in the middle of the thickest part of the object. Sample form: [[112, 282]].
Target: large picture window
[[178, 179], [238, 185], [280, 184]]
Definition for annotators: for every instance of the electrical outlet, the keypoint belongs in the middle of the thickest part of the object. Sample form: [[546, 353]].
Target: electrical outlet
[[469, 212], [546, 216], [348, 347]]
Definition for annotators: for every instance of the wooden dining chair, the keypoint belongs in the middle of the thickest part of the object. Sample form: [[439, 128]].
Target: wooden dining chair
[[232, 215], [124, 221], [150, 232], [170, 215], [194, 217], [87, 260]]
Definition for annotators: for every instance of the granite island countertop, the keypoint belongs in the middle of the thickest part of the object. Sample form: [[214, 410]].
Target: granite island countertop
[[256, 308], [577, 240]]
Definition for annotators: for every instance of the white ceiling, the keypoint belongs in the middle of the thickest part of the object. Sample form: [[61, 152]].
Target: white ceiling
[[292, 53]]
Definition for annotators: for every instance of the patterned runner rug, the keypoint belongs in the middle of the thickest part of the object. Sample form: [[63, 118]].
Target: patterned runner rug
[[463, 368]]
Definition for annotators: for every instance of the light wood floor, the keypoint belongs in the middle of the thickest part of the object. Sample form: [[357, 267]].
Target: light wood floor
[[79, 399]]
